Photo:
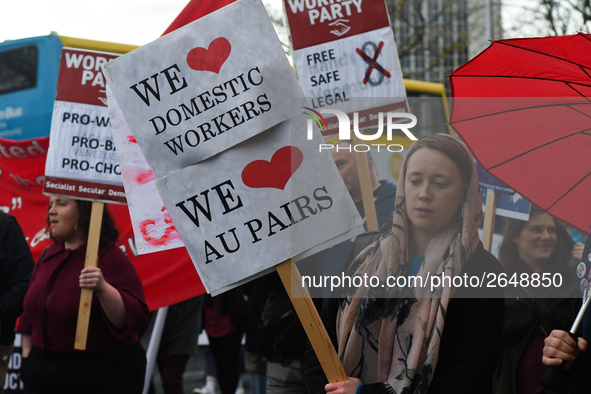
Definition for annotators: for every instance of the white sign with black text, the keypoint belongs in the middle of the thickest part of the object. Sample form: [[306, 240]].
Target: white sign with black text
[[258, 204], [205, 87]]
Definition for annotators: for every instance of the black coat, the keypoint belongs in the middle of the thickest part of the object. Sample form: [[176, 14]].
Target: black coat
[[16, 265], [470, 341]]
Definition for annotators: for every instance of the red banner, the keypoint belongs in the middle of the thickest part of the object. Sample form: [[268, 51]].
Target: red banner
[[168, 277], [81, 79], [195, 10]]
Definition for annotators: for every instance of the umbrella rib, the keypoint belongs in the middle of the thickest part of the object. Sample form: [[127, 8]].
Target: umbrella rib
[[568, 191], [585, 71], [583, 35], [521, 77], [582, 113], [536, 148], [517, 109], [541, 53], [573, 88]]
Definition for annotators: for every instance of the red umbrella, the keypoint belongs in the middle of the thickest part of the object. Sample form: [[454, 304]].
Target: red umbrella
[[523, 108]]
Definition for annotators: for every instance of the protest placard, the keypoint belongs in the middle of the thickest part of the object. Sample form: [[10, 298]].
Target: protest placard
[[508, 202], [81, 160], [345, 51], [364, 65], [210, 106], [498, 199], [257, 203], [152, 227], [204, 87]]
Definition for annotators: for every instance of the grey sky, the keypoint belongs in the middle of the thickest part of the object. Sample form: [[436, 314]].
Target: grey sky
[[134, 22]]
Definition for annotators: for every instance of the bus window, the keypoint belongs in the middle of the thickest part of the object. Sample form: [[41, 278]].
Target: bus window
[[18, 69], [28, 82]]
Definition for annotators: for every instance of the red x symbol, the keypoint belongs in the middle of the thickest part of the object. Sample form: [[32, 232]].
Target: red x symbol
[[372, 62]]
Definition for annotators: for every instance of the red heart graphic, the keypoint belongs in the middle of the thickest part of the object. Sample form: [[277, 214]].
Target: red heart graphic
[[274, 173], [210, 59]]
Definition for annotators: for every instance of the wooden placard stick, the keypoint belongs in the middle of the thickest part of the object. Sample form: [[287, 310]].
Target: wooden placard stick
[[369, 206], [94, 233], [488, 227], [308, 315]]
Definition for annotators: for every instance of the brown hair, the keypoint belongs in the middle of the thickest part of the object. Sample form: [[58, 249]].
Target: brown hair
[[450, 147], [509, 255], [109, 232]]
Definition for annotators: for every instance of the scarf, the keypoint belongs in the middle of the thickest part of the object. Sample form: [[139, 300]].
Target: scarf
[[392, 334]]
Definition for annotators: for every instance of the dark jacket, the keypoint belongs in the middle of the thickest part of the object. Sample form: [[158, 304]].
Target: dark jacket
[[16, 265], [576, 379], [470, 341]]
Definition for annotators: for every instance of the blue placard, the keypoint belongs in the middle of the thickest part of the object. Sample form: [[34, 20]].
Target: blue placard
[[509, 203], [487, 181]]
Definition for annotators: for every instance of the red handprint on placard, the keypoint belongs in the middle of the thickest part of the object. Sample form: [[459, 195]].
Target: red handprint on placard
[[160, 231]]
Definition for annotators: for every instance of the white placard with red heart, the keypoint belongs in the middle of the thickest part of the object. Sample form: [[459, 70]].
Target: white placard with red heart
[[258, 204], [205, 87]]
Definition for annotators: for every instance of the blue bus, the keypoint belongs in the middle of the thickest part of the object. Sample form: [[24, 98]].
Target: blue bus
[[28, 81]]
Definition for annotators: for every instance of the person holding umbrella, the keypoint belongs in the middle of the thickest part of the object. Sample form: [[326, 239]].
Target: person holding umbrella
[[562, 348], [540, 245], [417, 339]]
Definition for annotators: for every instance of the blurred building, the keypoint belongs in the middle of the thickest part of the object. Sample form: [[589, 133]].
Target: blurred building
[[434, 37]]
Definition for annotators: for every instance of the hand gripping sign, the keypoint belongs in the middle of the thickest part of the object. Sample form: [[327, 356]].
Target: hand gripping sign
[[209, 106]]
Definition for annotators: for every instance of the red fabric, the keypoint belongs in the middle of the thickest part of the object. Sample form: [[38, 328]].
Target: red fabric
[[168, 277], [522, 107], [195, 10], [527, 67]]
